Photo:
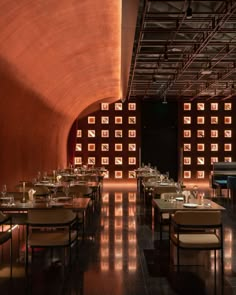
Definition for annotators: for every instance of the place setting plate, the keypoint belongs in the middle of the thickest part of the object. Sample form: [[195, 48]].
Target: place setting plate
[[190, 205]]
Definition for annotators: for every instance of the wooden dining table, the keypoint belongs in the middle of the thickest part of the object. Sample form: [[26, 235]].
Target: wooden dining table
[[170, 206]]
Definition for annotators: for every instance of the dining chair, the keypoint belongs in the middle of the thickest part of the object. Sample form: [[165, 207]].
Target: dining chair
[[164, 218], [51, 228], [197, 230], [231, 188], [6, 234]]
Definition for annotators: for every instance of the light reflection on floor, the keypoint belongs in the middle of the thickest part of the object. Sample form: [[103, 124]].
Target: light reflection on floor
[[118, 237]]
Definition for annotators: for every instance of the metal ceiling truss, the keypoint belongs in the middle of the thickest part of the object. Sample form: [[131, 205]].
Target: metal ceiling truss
[[179, 56]]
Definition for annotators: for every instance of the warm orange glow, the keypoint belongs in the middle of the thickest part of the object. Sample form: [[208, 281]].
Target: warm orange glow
[[118, 211]]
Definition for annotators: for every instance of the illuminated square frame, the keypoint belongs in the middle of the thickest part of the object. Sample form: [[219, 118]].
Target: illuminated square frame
[[228, 120], [227, 106], [105, 147], [200, 160], [227, 147], [132, 120], [228, 133], [118, 147], [187, 133], [104, 120], [132, 133], [200, 106], [187, 120], [214, 147], [91, 161], [118, 106], [187, 147], [201, 133], [200, 174], [187, 106], [105, 133], [214, 106], [104, 160], [118, 133], [131, 174], [228, 159], [200, 147], [118, 161], [104, 106], [91, 120], [78, 160], [187, 174], [132, 147], [214, 133], [118, 174], [91, 133], [214, 120], [79, 133], [91, 147], [132, 160], [132, 106], [118, 120], [187, 160], [200, 120], [78, 147], [214, 160]]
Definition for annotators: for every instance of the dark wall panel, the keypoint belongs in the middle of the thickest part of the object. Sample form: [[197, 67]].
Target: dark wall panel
[[159, 136]]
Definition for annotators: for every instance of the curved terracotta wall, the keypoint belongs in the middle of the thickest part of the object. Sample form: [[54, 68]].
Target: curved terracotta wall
[[56, 59]]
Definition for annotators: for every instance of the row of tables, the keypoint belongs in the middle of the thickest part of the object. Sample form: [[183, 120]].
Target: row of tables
[[150, 185]]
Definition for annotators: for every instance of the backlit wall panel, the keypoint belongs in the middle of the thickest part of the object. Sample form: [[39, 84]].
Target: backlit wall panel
[[207, 136], [110, 137]]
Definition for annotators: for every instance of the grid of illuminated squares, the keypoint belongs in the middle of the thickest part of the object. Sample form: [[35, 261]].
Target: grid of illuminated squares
[[106, 146], [201, 133]]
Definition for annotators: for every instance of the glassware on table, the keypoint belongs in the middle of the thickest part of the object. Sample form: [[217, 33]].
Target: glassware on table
[[67, 190], [11, 200], [4, 190], [195, 191]]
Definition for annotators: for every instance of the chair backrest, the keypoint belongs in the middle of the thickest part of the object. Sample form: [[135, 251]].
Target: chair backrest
[[167, 196], [231, 182], [80, 190], [50, 216], [41, 190], [198, 218]]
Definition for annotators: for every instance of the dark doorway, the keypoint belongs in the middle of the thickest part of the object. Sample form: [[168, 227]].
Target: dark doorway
[[159, 125]]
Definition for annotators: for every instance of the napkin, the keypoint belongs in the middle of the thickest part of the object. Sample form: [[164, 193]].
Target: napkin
[[58, 178], [31, 193]]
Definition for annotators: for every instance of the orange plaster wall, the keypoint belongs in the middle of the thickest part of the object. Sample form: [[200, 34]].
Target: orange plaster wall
[[56, 59]]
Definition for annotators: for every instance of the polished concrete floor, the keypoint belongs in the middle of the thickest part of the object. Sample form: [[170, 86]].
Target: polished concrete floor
[[122, 255]]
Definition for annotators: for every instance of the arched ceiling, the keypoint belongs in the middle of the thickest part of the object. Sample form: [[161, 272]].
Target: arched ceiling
[[57, 59], [67, 51]]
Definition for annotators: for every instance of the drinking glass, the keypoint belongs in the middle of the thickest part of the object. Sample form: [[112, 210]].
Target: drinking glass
[[11, 200], [4, 190], [67, 190]]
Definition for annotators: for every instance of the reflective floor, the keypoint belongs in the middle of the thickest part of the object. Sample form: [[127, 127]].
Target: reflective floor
[[121, 255]]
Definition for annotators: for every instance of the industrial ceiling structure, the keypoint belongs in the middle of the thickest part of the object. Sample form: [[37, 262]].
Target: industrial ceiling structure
[[184, 50]]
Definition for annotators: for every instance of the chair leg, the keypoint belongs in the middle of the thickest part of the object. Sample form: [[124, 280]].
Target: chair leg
[[177, 258], [11, 258], [222, 270]]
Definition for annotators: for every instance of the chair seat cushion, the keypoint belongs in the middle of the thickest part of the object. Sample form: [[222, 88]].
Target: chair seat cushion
[[200, 241], [51, 238]]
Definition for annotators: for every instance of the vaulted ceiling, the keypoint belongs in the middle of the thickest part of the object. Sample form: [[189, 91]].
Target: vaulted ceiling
[[184, 49]]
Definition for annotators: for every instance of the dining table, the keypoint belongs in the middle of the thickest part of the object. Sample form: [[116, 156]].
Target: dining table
[[17, 204], [170, 206]]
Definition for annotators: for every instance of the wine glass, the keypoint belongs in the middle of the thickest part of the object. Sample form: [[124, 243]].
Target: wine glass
[[195, 191], [4, 190], [67, 190]]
